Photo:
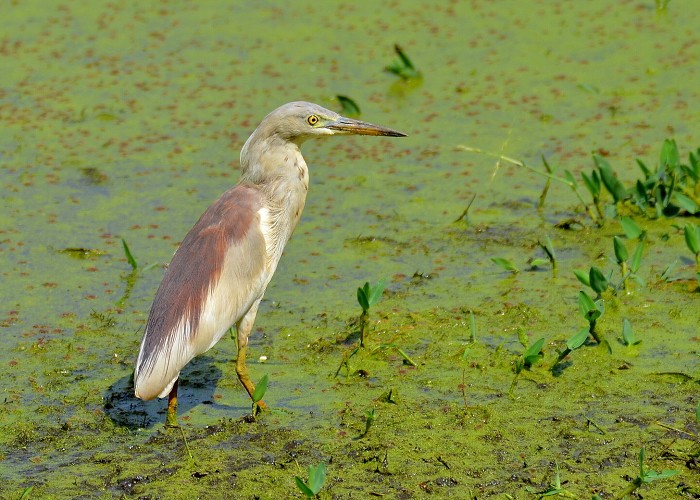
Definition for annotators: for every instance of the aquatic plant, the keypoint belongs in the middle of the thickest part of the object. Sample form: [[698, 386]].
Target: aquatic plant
[[259, 394], [628, 269], [317, 476], [367, 296], [129, 256], [506, 264], [572, 344], [591, 310], [348, 106], [645, 476], [628, 337], [403, 68], [370, 417], [531, 355]]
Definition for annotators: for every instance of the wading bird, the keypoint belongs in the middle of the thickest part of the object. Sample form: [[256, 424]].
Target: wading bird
[[218, 275]]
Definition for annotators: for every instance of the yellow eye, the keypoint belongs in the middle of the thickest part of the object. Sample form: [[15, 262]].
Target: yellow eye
[[312, 120]]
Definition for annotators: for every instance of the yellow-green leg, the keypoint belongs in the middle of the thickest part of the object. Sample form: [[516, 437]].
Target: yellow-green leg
[[171, 416], [242, 371]]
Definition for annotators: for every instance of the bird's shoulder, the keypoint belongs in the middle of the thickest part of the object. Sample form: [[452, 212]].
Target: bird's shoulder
[[232, 216]]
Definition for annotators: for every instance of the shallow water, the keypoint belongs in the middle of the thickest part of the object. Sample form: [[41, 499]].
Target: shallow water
[[121, 121]]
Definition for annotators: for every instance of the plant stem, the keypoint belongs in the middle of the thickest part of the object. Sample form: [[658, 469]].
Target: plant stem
[[364, 326]]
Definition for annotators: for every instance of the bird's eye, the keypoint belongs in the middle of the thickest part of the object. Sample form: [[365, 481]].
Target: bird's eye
[[312, 120]]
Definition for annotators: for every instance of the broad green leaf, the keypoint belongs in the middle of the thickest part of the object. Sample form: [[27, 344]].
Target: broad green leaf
[[631, 229], [260, 389], [577, 340], [362, 297], [636, 261], [593, 187], [532, 354], [692, 237], [539, 262], [375, 292], [505, 264], [620, 250], [654, 476], [628, 334], [599, 283], [302, 486], [686, 203], [669, 157], [582, 276], [610, 181], [348, 106], [317, 476]]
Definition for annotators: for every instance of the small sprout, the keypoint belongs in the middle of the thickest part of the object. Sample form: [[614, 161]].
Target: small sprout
[[129, 256], [645, 476], [370, 417], [543, 195], [367, 296], [505, 264], [258, 394], [549, 250], [628, 337], [554, 489], [317, 476], [403, 67], [348, 106], [532, 355]]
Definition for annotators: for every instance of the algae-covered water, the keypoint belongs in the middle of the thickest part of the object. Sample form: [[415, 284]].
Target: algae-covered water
[[124, 120]]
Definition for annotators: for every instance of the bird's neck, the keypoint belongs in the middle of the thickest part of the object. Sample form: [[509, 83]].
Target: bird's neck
[[279, 171]]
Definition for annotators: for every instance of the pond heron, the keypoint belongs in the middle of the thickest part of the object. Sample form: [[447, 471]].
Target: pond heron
[[218, 275]]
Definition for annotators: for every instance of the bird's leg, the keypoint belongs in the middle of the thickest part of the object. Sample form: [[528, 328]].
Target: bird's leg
[[171, 416], [243, 329]]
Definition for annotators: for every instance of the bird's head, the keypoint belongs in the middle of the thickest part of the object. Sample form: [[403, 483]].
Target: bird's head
[[298, 121]]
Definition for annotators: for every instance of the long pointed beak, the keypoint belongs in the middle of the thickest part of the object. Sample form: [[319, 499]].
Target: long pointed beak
[[356, 127]]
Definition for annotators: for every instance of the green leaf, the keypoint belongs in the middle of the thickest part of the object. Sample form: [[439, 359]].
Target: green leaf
[[590, 310], [578, 339], [592, 184], [348, 106], [611, 183], [532, 354], [363, 296], [631, 229], [570, 179], [692, 237], [539, 262], [628, 334], [317, 476], [375, 292], [637, 257], [669, 158], [686, 203], [582, 276], [620, 250], [302, 486], [129, 256], [505, 264], [653, 475], [599, 283], [260, 389]]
